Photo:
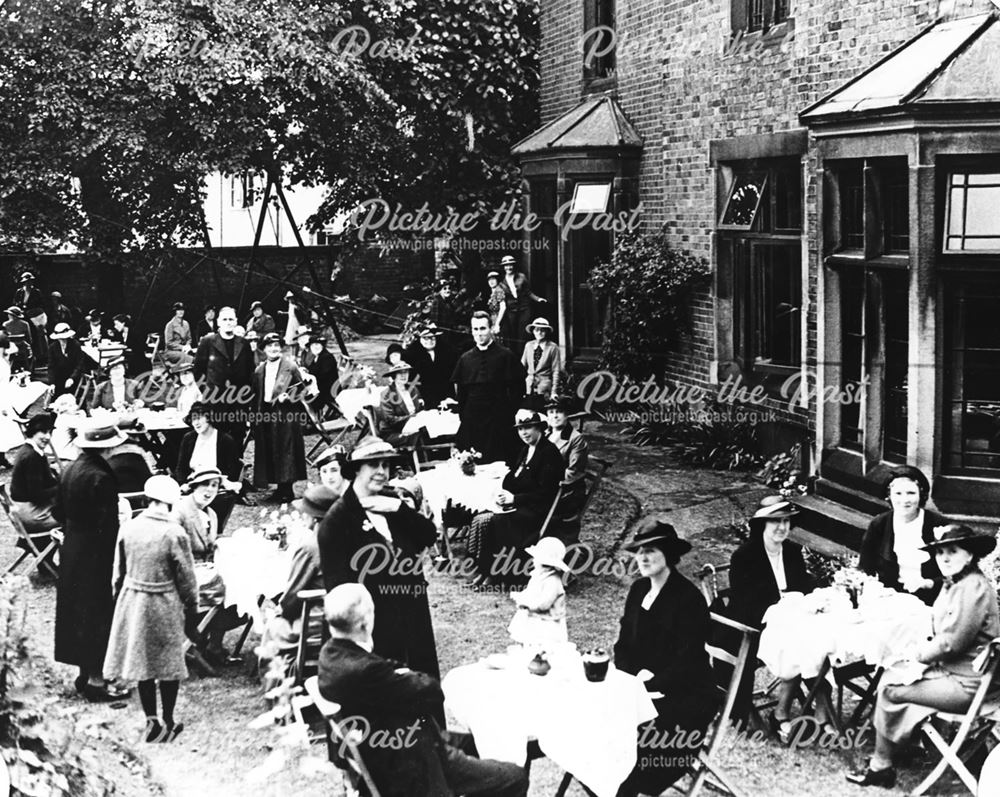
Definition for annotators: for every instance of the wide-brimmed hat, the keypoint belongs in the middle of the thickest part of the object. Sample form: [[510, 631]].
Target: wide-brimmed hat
[[289, 295], [203, 476], [493, 273], [302, 331], [27, 276], [508, 260], [181, 367], [321, 339], [125, 318], [62, 331], [113, 362], [399, 368], [334, 452], [56, 295], [255, 305], [411, 487], [372, 449], [526, 417], [199, 408], [177, 306], [93, 314], [659, 533], [251, 335], [42, 422], [549, 551], [977, 543], [15, 311], [772, 507], [269, 338], [162, 488], [560, 403], [315, 501], [429, 329], [103, 436], [539, 323]]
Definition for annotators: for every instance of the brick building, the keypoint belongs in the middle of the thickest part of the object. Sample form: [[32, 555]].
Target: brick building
[[839, 165]]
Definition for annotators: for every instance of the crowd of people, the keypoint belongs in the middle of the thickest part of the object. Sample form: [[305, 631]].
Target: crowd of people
[[129, 598]]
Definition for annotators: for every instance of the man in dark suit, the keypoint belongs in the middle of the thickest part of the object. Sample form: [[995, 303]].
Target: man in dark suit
[[490, 382], [391, 702], [433, 362], [223, 365], [527, 495]]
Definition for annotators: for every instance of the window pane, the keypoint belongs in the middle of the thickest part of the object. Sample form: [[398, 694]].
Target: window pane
[[897, 358], [780, 10], [852, 208], [776, 296], [982, 244], [984, 179], [852, 352], [896, 210], [956, 212], [755, 20], [543, 197], [590, 198], [787, 200], [982, 214], [744, 200]]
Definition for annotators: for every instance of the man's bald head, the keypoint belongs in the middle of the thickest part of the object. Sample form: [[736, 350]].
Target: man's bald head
[[349, 611]]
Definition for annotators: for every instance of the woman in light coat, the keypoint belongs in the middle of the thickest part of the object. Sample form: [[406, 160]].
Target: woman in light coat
[[155, 584]]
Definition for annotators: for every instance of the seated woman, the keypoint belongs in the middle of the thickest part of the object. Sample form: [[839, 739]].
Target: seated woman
[[892, 546], [204, 448], [527, 495], [185, 393], [965, 621], [118, 392], [765, 566], [664, 628], [400, 402], [33, 483], [328, 466], [575, 453]]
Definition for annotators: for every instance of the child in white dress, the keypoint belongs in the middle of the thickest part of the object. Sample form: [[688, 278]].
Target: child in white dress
[[540, 620]]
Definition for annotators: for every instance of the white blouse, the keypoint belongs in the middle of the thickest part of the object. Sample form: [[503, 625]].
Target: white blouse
[[205, 453]]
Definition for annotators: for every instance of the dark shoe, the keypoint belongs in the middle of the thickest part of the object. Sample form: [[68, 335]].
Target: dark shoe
[[884, 778], [103, 694], [80, 683], [171, 732], [216, 656], [154, 731]]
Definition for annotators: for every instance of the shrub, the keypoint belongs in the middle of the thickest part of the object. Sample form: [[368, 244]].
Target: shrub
[[648, 287]]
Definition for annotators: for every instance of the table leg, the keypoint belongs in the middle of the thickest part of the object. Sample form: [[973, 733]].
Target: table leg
[[817, 693]]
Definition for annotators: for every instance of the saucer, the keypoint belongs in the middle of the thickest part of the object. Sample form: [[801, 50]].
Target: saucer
[[497, 661]]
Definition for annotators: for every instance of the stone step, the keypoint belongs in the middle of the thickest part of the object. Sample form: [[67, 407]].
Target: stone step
[[850, 497], [840, 525]]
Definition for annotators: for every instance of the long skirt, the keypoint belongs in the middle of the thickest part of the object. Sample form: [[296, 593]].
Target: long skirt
[[279, 452], [147, 637], [900, 709], [84, 601]]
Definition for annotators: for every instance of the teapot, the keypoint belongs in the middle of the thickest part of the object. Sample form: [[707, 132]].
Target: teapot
[[539, 665]]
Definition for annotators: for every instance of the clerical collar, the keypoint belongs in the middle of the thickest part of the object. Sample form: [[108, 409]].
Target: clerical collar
[[484, 348]]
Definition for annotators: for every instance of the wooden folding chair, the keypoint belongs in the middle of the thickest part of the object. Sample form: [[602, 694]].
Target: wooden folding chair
[[311, 638], [706, 768], [342, 745], [972, 729], [596, 469], [39, 558]]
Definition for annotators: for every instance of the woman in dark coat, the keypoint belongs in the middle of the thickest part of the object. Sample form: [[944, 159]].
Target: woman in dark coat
[[361, 535], [892, 546], [205, 448], [67, 362], [527, 495], [756, 584], [87, 505], [400, 402], [664, 629]]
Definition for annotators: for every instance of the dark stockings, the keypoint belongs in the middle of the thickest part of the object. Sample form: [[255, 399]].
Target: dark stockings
[[168, 693]]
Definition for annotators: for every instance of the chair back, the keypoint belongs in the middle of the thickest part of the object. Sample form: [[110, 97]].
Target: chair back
[[709, 583], [343, 747], [30, 548], [311, 638], [596, 468], [152, 346]]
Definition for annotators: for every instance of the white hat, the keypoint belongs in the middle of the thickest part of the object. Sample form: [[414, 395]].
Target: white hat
[[549, 551], [62, 331], [162, 488]]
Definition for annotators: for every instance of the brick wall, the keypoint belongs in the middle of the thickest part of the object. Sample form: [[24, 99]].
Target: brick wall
[[682, 83]]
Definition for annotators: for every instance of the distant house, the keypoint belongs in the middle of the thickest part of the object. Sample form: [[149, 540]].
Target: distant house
[[839, 165]]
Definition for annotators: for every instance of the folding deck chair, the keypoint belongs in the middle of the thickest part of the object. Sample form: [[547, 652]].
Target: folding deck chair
[[39, 557]]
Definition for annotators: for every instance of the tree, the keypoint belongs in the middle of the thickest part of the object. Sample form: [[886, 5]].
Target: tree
[[115, 111]]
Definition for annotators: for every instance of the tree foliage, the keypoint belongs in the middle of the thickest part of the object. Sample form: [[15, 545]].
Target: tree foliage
[[115, 111], [648, 287]]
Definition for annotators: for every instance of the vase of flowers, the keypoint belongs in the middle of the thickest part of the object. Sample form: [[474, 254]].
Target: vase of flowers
[[466, 460], [283, 525]]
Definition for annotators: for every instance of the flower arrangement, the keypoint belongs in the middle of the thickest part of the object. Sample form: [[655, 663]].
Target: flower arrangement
[[466, 460], [362, 376], [284, 525], [853, 581]]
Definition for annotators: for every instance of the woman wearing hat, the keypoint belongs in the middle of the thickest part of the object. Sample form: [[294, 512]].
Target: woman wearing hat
[[135, 350], [206, 448], [328, 468], [377, 540], [185, 393], [496, 306], [177, 341], [322, 367], [33, 483], [67, 362], [260, 322], [400, 402], [118, 392], [965, 620], [518, 297], [575, 452], [762, 568], [87, 506], [20, 334], [664, 628], [541, 360], [433, 361], [892, 548], [156, 586], [529, 489], [207, 325]]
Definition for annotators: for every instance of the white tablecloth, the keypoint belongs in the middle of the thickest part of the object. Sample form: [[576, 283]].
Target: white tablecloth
[[353, 400], [251, 568], [588, 729], [476, 493], [797, 639], [436, 422]]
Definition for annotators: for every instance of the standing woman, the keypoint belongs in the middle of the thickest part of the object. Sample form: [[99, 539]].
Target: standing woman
[[541, 360], [155, 585], [892, 548], [87, 506], [363, 533], [664, 629]]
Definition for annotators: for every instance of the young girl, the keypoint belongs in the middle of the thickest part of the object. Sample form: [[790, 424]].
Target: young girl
[[540, 619], [155, 583]]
